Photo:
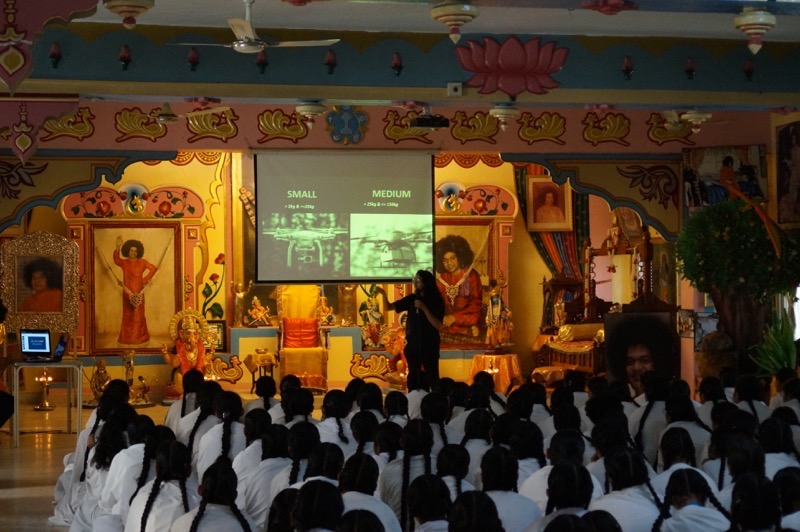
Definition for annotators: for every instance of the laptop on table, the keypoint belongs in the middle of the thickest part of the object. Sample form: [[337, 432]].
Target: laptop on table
[[35, 346]]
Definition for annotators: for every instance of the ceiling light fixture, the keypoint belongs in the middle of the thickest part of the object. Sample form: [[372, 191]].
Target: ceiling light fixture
[[310, 110], [454, 14], [129, 10], [754, 23], [504, 112]]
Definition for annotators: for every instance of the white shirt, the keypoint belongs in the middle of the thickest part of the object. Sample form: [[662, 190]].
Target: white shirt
[[451, 483], [542, 523], [185, 425], [259, 403], [415, 403], [174, 413], [711, 467], [211, 446], [453, 436], [329, 433], [246, 461], [355, 500], [774, 462], [516, 512], [277, 414], [476, 450], [539, 414], [254, 494], [432, 526], [122, 478], [390, 481], [282, 479], [167, 507], [400, 420], [695, 517], [791, 521], [214, 519], [660, 481], [653, 425], [762, 410], [700, 438], [634, 507], [535, 488], [91, 490]]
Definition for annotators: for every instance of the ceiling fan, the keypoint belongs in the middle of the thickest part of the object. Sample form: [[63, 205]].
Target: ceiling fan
[[166, 115], [692, 119], [247, 42]]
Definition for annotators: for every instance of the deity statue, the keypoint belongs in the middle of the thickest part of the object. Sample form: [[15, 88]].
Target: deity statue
[[127, 363], [498, 318], [239, 293], [325, 312], [189, 330], [372, 323], [347, 304], [99, 380], [259, 314]]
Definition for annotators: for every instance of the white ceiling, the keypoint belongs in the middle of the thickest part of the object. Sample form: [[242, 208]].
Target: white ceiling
[[662, 18]]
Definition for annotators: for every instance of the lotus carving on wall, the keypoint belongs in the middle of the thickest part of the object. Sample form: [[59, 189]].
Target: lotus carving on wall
[[512, 67]]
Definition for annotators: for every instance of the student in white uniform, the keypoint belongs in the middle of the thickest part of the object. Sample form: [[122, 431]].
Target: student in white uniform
[[428, 503], [256, 424], [520, 403], [681, 414], [499, 470], [111, 440], [711, 393], [569, 492], [169, 495], [319, 507], [300, 407], [497, 401], [395, 407], [689, 504], [435, 409], [369, 398], [647, 422], [452, 466], [255, 496], [678, 452], [527, 444], [477, 440], [457, 397], [787, 482], [789, 390], [355, 520], [277, 412], [417, 389], [742, 455], [364, 425], [387, 443], [357, 484], [325, 463], [748, 396], [192, 380], [217, 510], [778, 444], [226, 438], [737, 424], [279, 514], [393, 482], [474, 510], [541, 412], [477, 399], [632, 501], [755, 504], [121, 480], [787, 416], [145, 470], [560, 396], [265, 390], [194, 426], [302, 440], [567, 417], [334, 427]]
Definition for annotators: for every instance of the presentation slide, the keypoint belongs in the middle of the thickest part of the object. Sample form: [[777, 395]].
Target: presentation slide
[[339, 217]]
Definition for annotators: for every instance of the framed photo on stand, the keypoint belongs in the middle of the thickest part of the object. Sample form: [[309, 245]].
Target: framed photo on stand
[[219, 329]]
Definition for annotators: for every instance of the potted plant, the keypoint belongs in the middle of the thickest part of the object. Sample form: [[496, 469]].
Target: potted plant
[[777, 350], [725, 250]]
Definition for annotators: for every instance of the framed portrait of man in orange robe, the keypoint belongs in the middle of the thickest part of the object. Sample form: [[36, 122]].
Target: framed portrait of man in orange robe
[[136, 284]]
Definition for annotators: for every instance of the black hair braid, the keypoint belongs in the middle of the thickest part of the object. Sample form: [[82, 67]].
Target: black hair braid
[[183, 403], [202, 417], [663, 513], [496, 398], [151, 499], [142, 480], [393, 455], [240, 517], [344, 439], [427, 457], [361, 445], [443, 433], [659, 503], [637, 439], [404, 491], [227, 421], [753, 409], [200, 511], [551, 505], [459, 486], [709, 495], [721, 476], [295, 471], [184, 495], [464, 440], [86, 452]]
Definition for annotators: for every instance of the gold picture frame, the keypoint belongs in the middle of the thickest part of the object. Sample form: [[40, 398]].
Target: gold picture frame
[[549, 205], [53, 259]]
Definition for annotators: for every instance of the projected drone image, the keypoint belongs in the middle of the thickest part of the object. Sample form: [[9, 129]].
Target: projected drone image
[[390, 246], [304, 246]]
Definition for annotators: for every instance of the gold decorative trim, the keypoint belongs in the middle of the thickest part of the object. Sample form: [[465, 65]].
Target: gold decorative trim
[[14, 254], [376, 366]]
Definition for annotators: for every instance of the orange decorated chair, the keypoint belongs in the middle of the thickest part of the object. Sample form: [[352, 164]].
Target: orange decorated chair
[[301, 349]]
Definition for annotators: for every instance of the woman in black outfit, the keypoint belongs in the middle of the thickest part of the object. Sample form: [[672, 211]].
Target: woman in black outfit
[[424, 312]]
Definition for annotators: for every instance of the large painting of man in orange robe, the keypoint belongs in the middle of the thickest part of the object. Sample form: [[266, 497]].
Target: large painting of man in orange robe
[[136, 285]]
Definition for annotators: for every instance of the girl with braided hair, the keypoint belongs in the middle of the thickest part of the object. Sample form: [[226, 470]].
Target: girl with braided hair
[[170, 495], [787, 481], [279, 515], [435, 409], [452, 466], [748, 395], [255, 495], [633, 501], [787, 416], [387, 443], [737, 424], [497, 402], [303, 439], [300, 403], [146, 470], [364, 425], [319, 506], [755, 504], [417, 442], [357, 484], [569, 492], [226, 438], [194, 425], [527, 444], [647, 422], [743, 455], [121, 480], [370, 397], [686, 505], [477, 440], [334, 427], [277, 412], [474, 511], [499, 471], [779, 450], [265, 390], [192, 380], [395, 407], [681, 413], [711, 392], [256, 424], [217, 510], [678, 452], [428, 503], [325, 463]]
